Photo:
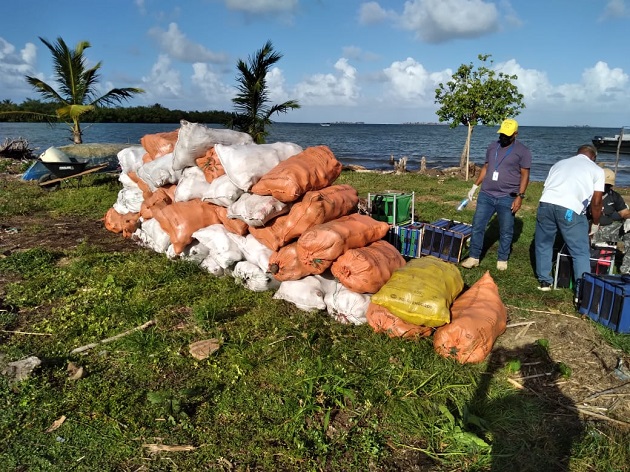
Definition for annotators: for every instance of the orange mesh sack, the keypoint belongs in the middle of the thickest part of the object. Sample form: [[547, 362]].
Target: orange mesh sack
[[312, 169], [315, 207], [321, 245], [210, 164], [479, 317], [382, 321], [285, 265], [367, 269], [121, 223], [158, 144], [181, 219], [422, 291], [154, 200]]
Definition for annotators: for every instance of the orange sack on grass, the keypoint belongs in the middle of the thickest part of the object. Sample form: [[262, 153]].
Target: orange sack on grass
[[158, 144], [312, 169], [181, 219], [382, 321], [233, 225], [367, 269], [321, 245], [478, 318], [121, 223], [210, 164], [284, 264], [315, 207]]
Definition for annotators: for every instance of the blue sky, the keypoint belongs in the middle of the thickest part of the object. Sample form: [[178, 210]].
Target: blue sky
[[343, 60]]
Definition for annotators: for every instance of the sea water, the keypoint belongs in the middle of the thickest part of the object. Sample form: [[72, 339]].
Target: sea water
[[369, 145]]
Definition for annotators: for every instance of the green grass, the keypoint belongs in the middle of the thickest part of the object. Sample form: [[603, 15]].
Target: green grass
[[287, 390]]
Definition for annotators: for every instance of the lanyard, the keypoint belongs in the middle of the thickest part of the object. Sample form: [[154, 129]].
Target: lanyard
[[496, 154]]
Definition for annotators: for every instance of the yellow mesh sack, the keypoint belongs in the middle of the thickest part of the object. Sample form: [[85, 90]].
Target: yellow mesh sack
[[422, 291]]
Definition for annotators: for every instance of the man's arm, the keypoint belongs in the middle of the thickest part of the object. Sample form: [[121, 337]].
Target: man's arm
[[596, 206], [518, 201]]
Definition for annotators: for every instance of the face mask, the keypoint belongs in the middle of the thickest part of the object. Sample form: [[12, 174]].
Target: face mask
[[505, 140]]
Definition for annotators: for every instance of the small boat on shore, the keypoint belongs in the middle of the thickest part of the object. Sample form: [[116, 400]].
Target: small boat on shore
[[610, 144]]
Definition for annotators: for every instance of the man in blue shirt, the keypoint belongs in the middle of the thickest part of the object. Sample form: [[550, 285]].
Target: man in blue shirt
[[503, 179]]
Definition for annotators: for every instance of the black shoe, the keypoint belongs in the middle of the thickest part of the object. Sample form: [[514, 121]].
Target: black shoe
[[545, 287]]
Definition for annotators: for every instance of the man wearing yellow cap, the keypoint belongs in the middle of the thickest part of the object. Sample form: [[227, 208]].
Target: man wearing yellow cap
[[503, 179]]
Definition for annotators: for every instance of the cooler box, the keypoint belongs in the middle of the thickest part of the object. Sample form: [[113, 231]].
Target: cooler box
[[602, 262], [604, 298], [407, 238], [395, 208], [445, 239]]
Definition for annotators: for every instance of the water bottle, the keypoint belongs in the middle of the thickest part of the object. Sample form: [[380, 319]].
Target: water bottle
[[462, 204]]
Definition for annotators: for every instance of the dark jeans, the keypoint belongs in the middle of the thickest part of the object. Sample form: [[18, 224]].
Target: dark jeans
[[574, 230], [487, 206]]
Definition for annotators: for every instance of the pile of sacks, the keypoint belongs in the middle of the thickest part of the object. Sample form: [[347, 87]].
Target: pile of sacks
[[271, 216]]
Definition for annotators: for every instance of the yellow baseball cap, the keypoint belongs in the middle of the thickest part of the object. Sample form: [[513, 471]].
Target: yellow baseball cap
[[610, 176], [508, 127]]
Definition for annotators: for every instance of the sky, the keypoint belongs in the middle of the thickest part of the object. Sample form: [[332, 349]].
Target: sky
[[342, 60]]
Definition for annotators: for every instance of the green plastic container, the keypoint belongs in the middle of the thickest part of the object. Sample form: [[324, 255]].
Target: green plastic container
[[394, 208]]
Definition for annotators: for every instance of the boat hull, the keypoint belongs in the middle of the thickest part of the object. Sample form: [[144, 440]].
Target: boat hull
[[610, 145]]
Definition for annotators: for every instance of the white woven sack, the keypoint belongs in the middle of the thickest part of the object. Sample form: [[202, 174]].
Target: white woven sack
[[245, 164], [211, 266], [343, 305], [253, 250], [193, 252], [192, 184], [257, 210], [151, 235], [220, 246], [194, 140], [222, 192], [159, 172], [126, 181], [305, 293], [253, 277], [129, 201], [130, 158]]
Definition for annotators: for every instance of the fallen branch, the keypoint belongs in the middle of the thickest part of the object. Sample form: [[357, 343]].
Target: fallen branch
[[113, 338], [25, 332], [541, 311], [524, 323], [164, 447], [605, 392]]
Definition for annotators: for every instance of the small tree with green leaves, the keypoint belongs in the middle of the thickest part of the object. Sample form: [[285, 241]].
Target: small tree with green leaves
[[77, 91], [253, 112], [477, 96]]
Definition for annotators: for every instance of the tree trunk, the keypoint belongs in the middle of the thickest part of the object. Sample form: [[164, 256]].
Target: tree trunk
[[464, 159], [77, 134]]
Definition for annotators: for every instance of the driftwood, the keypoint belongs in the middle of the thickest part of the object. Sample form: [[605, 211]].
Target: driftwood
[[16, 148], [113, 338]]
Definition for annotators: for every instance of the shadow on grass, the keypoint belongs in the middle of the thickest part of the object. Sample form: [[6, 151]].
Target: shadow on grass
[[530, 430], [491, 236]]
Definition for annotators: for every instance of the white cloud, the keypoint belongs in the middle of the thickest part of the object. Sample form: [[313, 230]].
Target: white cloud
[[276, 86], [262, 6], [214, 92], [330, 89], [163, 82], [14, 65], [174, 43], [615, 9], [372, 12], [437, 21], [409, 83]]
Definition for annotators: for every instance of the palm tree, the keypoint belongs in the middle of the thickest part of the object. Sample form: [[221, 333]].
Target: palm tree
[[76, 83], [251, 103]]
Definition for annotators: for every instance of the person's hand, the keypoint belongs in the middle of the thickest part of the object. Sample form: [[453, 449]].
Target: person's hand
[[471, 192], [594, 230]]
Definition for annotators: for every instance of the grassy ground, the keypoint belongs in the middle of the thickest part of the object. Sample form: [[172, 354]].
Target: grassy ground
[[286, 390]]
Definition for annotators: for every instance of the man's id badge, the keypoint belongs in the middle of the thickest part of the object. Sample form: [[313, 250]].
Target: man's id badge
[[495, 175]]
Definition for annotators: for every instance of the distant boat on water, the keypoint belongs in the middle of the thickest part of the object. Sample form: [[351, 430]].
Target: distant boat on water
[[611, 144], [324, 124]]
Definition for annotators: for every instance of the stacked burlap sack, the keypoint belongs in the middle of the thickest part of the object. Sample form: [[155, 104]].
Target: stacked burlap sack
[[271, 216]]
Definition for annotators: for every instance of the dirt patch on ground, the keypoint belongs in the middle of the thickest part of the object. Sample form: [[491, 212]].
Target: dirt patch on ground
[[595, 386]]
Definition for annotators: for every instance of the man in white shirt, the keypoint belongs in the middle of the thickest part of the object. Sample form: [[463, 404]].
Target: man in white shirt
[[570, 186]]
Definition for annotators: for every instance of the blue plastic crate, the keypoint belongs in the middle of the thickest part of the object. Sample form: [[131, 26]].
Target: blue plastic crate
[[604, 298], [445, 239], [409, 238]]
